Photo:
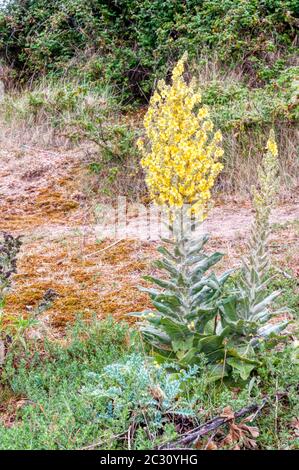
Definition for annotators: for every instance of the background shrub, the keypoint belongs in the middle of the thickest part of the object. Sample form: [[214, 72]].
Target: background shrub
[[133, 42]]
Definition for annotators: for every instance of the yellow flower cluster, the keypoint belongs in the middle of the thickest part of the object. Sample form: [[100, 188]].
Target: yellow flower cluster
[[181, 158], [271, 144], [264, 197]]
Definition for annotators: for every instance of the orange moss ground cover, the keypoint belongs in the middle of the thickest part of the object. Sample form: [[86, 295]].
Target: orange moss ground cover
[[51, 204], [43, 197], [87, 280]]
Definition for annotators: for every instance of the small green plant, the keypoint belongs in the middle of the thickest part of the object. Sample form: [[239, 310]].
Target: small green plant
[[9, 249], [142, 399], [115, 140]]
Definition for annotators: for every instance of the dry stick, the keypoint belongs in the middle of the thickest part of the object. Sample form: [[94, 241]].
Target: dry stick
[[129, 438], [49, 152], [259, 409], [212, 425], [211, 439], [104, 249], [101, 441], [276, 412]]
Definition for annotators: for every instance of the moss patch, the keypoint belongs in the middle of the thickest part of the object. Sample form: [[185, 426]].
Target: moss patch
[[102, 284]]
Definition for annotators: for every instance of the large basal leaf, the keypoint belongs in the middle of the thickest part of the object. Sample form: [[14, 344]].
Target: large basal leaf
[[210, 344], [175, 330], [262, 317], [242, 368], [225, 276], [244, 354], [166, 310], [216, 372], [183, 345], [196, 259], [143, 315], [270, 330], [167, 253], [155, 333], [197, 245], [171, 300], [266, 301], [207, 263], [228, 309], [210, 282], [168, 266], [151, 292], [202, 316], [162, 356], [162, 283], [206, 295], [189, 358]]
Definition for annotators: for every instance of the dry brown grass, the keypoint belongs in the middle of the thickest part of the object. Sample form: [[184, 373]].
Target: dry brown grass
[[22, 124], [244, 151]]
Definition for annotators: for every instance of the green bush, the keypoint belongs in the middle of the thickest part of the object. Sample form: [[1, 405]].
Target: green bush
[[234, 105], [136, 41]]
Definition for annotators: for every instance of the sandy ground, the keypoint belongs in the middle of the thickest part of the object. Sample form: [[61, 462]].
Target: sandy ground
[[45, 197]]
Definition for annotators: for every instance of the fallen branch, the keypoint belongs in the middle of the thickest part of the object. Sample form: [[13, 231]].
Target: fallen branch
[[192, 436], [103, 440]]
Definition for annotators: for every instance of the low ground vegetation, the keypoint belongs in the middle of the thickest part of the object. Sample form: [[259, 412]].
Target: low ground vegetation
[[107, 393]]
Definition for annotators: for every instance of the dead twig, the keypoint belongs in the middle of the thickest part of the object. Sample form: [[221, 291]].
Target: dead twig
[[104, 249], [103, 440], [212, 425]]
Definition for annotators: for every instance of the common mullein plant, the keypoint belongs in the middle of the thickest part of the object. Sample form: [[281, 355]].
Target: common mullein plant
[[248, 311], [181, 158], [193, 315]]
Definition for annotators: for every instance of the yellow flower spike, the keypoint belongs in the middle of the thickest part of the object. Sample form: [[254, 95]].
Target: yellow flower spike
[[265, 197], [271, 144], [219, 152], [182, 152]]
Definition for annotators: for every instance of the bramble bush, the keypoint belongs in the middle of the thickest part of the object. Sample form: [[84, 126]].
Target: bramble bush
[[134, 42]]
